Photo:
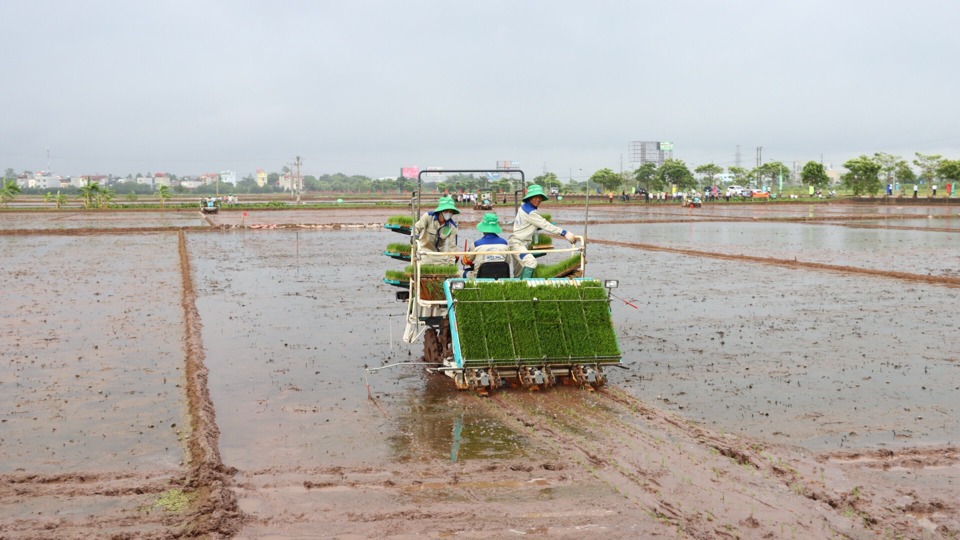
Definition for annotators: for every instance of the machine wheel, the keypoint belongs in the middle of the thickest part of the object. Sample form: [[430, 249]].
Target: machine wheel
[[436, 344]]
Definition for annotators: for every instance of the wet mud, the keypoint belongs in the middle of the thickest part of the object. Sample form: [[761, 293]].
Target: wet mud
[[764, 399]]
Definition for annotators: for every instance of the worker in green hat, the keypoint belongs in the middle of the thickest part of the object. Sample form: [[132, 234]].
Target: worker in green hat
[[489, 242], [527, 223], [436, 232]]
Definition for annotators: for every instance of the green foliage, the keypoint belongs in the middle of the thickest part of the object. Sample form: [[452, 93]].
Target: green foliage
[[403, 221], [164, 193], [9, 191], [398, 248], [675, 171], [709, 171], [557, 269], [929, 165], [511, 322], [739, 173], [646, 176], [547, 181], [863, 176], [606, 178], [814, 175], [949, 170]]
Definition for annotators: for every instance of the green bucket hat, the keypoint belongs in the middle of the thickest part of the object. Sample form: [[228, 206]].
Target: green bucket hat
[[490, 224], [446, 203], [533, 190]]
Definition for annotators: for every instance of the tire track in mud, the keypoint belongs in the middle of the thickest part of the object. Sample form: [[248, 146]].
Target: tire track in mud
[[216, 511], [949, 281], [710, 485], [86, 517]]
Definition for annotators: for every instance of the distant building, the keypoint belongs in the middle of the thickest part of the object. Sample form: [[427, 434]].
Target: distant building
[[229, 177], [261, 177], [209, 178], [650, 152], [191, 183], [286, 181], [43, 180]]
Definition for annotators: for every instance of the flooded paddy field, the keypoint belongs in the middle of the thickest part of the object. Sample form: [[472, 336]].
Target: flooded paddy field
[[761, 400], [96, 219]]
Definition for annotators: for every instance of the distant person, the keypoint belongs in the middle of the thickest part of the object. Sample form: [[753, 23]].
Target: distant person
[[526, 224], [915, 189], [436, 232], [934, 190], [490, 241]]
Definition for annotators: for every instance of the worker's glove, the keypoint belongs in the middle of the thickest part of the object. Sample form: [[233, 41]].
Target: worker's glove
[[570, 237]]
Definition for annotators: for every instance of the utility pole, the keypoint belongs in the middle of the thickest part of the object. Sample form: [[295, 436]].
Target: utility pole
[[299, 180], [759, 162], [738, 156]]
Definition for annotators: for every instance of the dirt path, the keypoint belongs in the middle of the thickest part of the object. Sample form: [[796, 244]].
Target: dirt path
[[215, 511]]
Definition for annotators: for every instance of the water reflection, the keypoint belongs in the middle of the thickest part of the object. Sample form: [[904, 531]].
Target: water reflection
[[439, 422]]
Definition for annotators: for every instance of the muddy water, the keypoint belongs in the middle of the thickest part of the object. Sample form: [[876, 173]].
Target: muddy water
[[799, 356], [911, 251], [806, 357], [286, 340], [91, 363]]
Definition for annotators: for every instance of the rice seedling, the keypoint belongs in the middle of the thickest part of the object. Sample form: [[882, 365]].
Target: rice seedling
[[522, 323], [399, 247], [403, 221], [434, 269], [557, 269], [397, 275]]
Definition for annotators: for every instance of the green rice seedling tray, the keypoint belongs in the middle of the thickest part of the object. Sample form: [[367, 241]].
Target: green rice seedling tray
[[399, 224], [533, 322], [566, 267], [398, 251]]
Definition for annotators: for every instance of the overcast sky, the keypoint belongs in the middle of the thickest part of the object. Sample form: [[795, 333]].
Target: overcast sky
[[368, 87]]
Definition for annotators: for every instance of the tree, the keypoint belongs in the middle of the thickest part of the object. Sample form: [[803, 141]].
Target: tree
[[47, 197], [606, 178], [675, 171], [768, 171], [903, 173], [949, 170], [547, 180], [9, 191], [105, 196], [814, 175], [646, 176], [709, 171], [739, 173], [928, 165], [60, 200], [89, 193], [164, 193], [888, 165], [9, 173], [863, 176]]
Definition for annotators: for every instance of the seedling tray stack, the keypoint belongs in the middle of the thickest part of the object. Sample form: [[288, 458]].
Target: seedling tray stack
[[398, 251], [535, 322]]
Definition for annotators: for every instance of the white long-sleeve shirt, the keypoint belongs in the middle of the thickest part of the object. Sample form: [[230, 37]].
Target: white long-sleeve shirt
[[527, 223]]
